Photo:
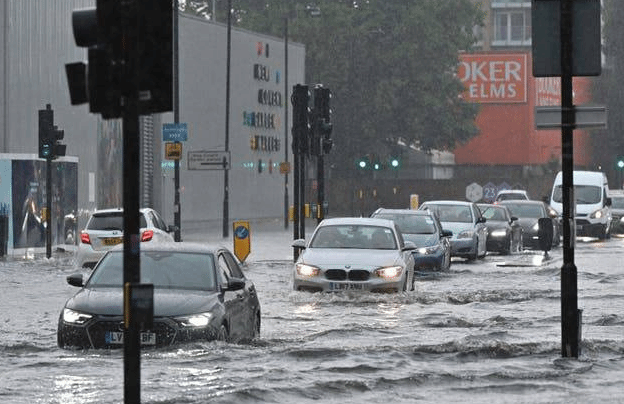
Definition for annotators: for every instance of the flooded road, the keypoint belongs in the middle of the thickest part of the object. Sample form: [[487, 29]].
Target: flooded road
[[486, 331]]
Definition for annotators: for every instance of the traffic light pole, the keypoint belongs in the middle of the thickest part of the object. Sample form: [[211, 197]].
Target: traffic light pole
[[570, 315], [48, 207], [131, 186]]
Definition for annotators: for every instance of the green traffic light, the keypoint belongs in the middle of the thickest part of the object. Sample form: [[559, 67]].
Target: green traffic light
[[377, 166], [362, 164], [620, 163], [394, 163]]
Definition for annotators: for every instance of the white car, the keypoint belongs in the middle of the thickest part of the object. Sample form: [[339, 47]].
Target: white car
[[354, 254], [104, 230], [511, 194]]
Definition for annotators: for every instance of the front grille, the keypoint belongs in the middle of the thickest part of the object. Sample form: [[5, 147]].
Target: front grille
[[165, 334], [343, 275]]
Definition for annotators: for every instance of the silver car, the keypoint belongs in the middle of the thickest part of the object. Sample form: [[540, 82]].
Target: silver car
[[464, 219], [360, 254], [104, 230]]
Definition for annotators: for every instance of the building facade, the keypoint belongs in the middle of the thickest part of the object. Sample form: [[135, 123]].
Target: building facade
[[36, 41]]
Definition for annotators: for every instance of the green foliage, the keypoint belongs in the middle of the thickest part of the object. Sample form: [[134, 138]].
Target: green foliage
[[390, 65]]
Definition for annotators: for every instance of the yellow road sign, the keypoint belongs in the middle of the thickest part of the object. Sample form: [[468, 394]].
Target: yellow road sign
[[173, 151], [242, 239]]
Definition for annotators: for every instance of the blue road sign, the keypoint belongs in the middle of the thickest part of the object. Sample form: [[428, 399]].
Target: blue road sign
[[175, 132]]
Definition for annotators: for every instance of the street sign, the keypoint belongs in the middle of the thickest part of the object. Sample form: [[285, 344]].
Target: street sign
[[173, 150], [284, 167], [208, 160], [546, 38], [474, 192], [242, 239], [585, 117], [175, 132]]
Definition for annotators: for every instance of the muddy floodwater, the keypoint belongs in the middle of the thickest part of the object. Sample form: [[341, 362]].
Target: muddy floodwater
[[487, 331]]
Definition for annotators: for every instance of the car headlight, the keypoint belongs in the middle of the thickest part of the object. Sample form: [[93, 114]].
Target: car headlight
[[428, 250], [466, 234], [622, 219], [75, 317], [596, 215], [195, 320], [389, 272], [307, 270], [536, 227], [498, 233]]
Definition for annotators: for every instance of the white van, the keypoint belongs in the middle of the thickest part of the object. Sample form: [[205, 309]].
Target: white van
[[593, 206]]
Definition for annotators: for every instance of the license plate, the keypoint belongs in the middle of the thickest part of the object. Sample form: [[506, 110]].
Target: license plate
[[112, 240], [345, 286], [117, 338]]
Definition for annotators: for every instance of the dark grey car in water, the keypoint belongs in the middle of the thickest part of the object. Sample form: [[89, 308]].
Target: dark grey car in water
[[200, 294]]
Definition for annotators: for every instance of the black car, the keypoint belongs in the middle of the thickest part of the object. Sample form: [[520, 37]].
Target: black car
[[528, 214], [200, 294], [422, 227], [504, 231]]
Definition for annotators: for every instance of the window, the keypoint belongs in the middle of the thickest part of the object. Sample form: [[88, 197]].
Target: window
[[512, 27]]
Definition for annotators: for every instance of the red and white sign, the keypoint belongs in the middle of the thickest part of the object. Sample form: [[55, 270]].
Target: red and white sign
[[494, 77]]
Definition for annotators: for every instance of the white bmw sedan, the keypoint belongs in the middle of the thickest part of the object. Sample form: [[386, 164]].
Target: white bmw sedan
[[354, 253]]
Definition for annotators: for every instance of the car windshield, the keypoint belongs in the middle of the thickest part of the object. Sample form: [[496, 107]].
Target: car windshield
[[492, 213], [165, 270], [411, 224], [510, 196], [452, 213], [111, 221], [584, 194], [354, 236], [527, 211]]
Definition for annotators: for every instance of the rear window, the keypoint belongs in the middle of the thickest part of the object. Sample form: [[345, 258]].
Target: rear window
[[111, 221]]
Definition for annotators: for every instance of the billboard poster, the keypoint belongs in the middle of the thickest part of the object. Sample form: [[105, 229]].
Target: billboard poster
[[29, 199], [494, 77]]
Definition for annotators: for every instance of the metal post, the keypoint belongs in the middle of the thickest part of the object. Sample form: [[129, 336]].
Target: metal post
[[569, 299], [131, 184], [286, 174], [177, 219], [226, 190], [49, 206], [320, 174]]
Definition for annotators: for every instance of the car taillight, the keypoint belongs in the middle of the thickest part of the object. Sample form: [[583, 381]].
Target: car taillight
[[84, 238], [147, 235]]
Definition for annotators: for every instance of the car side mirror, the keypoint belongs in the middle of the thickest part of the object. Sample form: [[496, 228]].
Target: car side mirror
[[446, 233], [513, 219], [299, 243], [608, 201], [408, 246], [235, 284], [75, 280], [481, 220]]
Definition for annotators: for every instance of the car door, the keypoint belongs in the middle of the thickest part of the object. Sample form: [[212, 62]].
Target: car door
[[240, 305]]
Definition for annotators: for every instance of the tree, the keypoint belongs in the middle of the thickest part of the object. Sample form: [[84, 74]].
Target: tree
[[390, 64]]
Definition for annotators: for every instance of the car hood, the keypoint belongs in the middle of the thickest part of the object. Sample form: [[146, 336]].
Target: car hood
[[493, 225], [341, 257], [109, 301], [422, 240], [527, 222], [457, 227]]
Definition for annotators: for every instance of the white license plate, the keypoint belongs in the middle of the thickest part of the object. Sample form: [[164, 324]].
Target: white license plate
[[117, 338], [345, 286]]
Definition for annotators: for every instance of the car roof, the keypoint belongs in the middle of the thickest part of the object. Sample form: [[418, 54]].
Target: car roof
[[521, 201], [371, 221], [512, 191], [115, 210], [448, 202], [404, 211], [183, 246]]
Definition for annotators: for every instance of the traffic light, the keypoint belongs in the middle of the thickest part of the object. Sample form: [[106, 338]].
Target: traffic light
[[395, 162], [619, 162], [46, 144], [301, 125], [120, 54], [322, 97], [363, 163], [50, 135]]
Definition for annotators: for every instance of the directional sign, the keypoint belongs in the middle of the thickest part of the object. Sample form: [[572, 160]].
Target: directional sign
[[208, 160], [585, 117], [242, 239], [175, 132]]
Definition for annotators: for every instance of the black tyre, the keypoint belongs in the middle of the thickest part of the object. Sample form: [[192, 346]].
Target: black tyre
[[223, 334]]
